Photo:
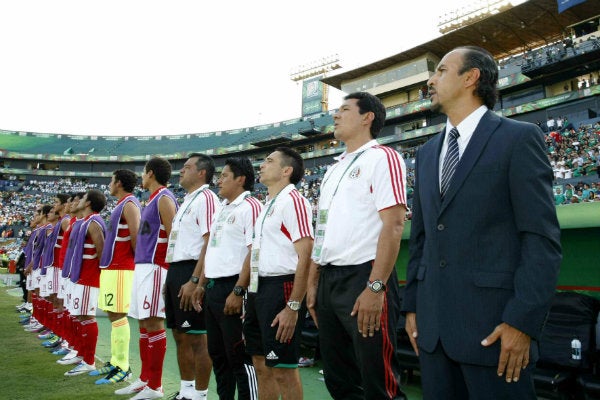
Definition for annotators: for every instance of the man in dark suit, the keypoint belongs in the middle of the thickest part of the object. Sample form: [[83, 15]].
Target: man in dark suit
[[485, 241]]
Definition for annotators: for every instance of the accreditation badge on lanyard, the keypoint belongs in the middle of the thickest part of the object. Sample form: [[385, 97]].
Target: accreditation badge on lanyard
[[218, 232], [320, 232], [254, 263], [171, 246]]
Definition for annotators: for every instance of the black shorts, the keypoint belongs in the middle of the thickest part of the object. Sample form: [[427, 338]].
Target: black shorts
[[185, 321], [261, 308]]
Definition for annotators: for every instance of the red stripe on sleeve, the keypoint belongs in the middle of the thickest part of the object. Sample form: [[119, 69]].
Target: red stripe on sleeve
[[301, 214], [396, 173]]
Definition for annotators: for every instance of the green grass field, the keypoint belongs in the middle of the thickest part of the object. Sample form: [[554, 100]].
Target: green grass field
[[30, 372]]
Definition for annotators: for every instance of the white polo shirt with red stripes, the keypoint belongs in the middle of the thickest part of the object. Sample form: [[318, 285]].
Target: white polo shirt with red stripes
[[191, 222], [283, 220], [353, 191], [230, 235]]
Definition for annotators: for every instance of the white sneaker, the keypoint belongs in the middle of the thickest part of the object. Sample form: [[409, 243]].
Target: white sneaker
[[33, 327], [81, 368], [135, 387], [70, 358], [148, 393]]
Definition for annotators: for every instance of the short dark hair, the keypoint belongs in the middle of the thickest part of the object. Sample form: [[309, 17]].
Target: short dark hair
[[369, 103], [46, 209], [97, 200], [241, 166], [477, 57], [204, 163], [62, 197], [79, 194], [291, 158], [161, 169], [127, 177]]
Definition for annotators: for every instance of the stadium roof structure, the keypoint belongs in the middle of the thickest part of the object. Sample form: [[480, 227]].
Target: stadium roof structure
[[526, 26]]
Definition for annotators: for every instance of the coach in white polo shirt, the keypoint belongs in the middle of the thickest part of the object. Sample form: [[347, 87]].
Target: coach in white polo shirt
[[187, 245], [352, 282], [225, 284], [283, 238]]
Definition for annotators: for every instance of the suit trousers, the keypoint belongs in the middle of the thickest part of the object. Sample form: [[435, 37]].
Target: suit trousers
[[231, 364], [355, 367], [444, 378]]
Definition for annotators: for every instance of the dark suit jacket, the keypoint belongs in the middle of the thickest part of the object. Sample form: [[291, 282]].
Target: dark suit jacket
[[490, 252]]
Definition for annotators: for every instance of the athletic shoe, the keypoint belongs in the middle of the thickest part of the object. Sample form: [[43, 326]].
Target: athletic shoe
[[34, 328], [47, 335], [25, 321], [114, 376], [305, 362], [52, 343], [80, 369], [177, 396], [68, 359], [105, 369], [135, 387], [148, 393], [21, 305], [63, 351], [29, 307]]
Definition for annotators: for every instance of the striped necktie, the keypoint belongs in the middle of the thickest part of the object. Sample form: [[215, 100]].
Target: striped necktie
[[450, 161]]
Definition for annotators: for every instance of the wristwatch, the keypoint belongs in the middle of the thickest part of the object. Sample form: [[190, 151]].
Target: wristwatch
[[194, 280], [376, 286], [293, 305], [239, 290]]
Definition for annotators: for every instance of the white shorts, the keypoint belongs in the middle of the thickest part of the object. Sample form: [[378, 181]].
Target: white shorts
[[29, 283], [84, 300], [37, 278], [146, 295], [62, 287], [69, 287], [53, 287], [44, 285]]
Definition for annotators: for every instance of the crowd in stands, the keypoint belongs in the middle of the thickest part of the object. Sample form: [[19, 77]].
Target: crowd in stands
[[574, 154]]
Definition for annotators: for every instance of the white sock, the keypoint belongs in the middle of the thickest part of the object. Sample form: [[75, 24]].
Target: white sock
[[186, 388], [201, 394]]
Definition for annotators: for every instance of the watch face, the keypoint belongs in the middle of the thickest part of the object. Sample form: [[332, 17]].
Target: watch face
[[194, 279], [238, 291], [293, 305], [376, 286]]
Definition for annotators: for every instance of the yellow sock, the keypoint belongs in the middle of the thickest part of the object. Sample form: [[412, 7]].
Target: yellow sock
[[119, 343]]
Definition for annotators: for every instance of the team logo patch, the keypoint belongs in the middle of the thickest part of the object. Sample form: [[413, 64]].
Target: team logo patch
[[355, 173], [231, 219]]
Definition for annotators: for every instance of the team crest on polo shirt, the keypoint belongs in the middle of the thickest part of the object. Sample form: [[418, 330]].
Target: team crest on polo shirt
[[355, 173], [231, 219]]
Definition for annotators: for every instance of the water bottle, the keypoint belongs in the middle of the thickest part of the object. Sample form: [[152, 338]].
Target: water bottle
[[576, 349]]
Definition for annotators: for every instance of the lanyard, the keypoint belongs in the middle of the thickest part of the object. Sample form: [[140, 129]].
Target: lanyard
[[342, 176], [224, 208], [265, 217], [188, 206]]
